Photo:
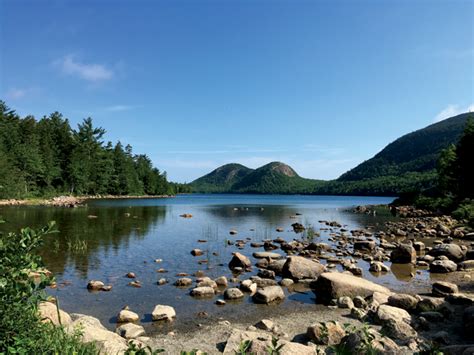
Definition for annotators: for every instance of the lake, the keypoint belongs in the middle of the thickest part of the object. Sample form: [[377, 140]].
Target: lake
[[106, 239]]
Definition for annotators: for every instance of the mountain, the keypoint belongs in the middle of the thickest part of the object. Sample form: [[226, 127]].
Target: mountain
[[272, 178], [414, 152], [406, 165], [221, 179]]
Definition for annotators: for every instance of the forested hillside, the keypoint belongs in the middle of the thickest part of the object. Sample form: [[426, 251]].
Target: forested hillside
[[414, 152], [47, 157]]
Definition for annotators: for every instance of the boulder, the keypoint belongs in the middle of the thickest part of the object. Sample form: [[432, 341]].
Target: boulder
[[292, 348], [345, 302], [356, 343], [126, 316], [266, 254], [400, 300], [443, 266], [92, 330], [332, 285], [403, 254], [269, 294], [451, 251], [162, 312], [130, 331], [387, 313], [364, 245], [378, 266], [248, 286], [297, 268], [233, 294], [204, 291], [326, 333], [197, 252], [265, 324], [239, 260], [441, 288], [221, 281], [399, 331], [49, 313], [466, 265]]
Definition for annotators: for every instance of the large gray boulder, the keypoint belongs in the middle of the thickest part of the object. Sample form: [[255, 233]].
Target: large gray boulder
[[297, 268], [332, 285], [443, 266], [269, 294], [451, 251], [49, 313]]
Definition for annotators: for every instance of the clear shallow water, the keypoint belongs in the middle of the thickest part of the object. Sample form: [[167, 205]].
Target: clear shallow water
[[128, 235]]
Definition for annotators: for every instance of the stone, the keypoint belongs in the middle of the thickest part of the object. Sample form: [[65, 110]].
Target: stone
[[359, 302], [197, 252], [441, 288], [49, 313], [162, 312], [325, 333], [263, 282], [232, 232], [451, 251], [130, 331], [286, 282], [95, 285], [419, 246], [266, 274], [292, 348], [204, 291], [443, 266], [125, 316], [356, 344], [183, 282], [358, 313], [399, 331], [406, 302], [239, 260], [331, 285], [162, 281], [276, 265], [207, 282], [297, 267], [260, 341], [92, 330], [269, 294], [378, 266], [389, 313], [430, 304], [403, 254], [345, 302], [266, 254], [265, 324], [364, 245], [233, 294], [248, 286], [131, 275], [220, 302], [466, 265], [221, 281]]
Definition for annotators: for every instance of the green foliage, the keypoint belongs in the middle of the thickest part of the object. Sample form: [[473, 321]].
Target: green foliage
[[192, 352], [244, 348], [47, 157], [134, 349], [465, 211], [274, 348], [21, 330]]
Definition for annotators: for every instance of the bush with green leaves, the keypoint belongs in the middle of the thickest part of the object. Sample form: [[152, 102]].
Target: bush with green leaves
[[21, 330]]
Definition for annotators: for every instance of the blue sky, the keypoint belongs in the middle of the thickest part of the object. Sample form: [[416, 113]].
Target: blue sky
[[320, 85]]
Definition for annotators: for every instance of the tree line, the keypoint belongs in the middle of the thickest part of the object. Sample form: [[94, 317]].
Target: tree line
[[46, 157]]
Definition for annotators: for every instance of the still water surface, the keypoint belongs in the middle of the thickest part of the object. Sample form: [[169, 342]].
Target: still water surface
[[108, 238]]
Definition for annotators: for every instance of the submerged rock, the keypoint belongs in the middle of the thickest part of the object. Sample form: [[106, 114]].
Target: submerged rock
[[269, 294]]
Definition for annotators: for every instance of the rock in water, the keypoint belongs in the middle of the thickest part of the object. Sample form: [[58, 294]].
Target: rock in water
[[162, 312], [443, 266], [452, 251], [127, 316], [332, 285], [403, 254], [441, 288], [269, 294], [233, 294], [239, 260], [297, 268]]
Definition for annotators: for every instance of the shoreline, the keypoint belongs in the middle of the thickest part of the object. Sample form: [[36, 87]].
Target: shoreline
[[72, 201]]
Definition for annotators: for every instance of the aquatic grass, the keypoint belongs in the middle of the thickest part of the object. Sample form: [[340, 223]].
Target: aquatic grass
[[77, 245]]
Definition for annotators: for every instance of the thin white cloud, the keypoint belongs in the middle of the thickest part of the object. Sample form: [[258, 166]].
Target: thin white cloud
[[15, 93], [91, 72], [118, 108], [452, 110]]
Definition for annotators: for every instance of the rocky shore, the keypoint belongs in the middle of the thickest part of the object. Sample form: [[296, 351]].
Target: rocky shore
[[351, 313], [70, 201]]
